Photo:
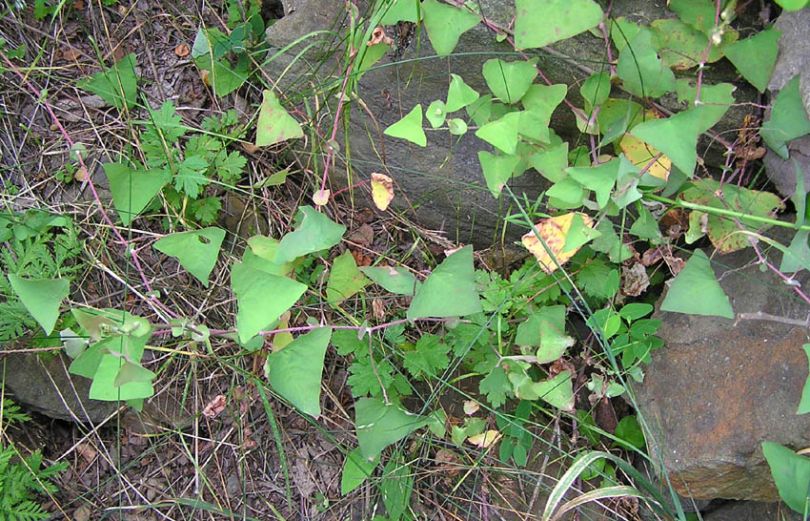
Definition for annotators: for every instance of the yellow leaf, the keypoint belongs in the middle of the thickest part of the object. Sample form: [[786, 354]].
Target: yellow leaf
[[321, 197], [554, 231], [485, 439], [471, 407], [641, 155], [382, 190]]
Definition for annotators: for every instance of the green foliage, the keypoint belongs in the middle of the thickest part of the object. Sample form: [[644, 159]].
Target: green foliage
[[788, 119], [542, 22], [449, 291], [791, 473], [118, 85], [21, 480], [409, 127], [40, 256], [345, 279], [755, 57], [428, 358], [294, 372], [695, 290], [445, 24], [133, 190], [196, 251], [509, 81], [356, 470], [379, 425], [275, 124], [399, 281]]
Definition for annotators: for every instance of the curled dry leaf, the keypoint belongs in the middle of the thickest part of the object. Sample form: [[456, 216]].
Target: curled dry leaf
[[215, 406], [378, 309], [378, 36], [634, 280], [471, 407], [321, 197], [382, 190], [554, 231], [182, 50], [485, 439]]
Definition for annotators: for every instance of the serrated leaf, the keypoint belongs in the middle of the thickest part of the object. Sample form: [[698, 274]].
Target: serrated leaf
[[542, 22], [428, 357], [495, 386], [449, 291], [501, 133], [379, 425], [399, 281], [41, 298], [695, 290], [755, 57], [459, 94], [275, 124], [190, 176], [599, 280], [197, 251], [133, 190], [797, 256], [804, 404], [792, 5], [509, 81], [118, 85], [550, 247], [257, 311], [295, 371], [409, 127], [545, 330], [314, 232], [344, 279], [642, 72], [788, 119]]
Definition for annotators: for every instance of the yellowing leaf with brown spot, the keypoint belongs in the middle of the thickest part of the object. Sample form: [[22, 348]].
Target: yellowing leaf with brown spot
[[554, 231], [382, 190], [485, 439], [641, 154]]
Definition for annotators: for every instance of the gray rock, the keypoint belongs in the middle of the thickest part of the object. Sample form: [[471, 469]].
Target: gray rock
[[442, 184], [794, 58], [44, 385], [721, 387], [752, 511]]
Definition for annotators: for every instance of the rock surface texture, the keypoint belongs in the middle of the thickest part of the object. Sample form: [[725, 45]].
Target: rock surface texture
[[794, 59], [443, 182], [721, 387], [44, 386]]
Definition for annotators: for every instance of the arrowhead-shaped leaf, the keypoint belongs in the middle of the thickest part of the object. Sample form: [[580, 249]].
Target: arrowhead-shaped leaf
[[197, 251], [542, 22], [755, 57], [445, 24], [275, 124], [399, 281], [41, 297], [409, 128], [295, 371], [449, 291], [344, 279], [379, 425], [509, 81], [314, 232], [695, 290], [132, 190]]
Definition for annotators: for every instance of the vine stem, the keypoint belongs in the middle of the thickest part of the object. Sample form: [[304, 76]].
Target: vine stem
[[727, 213], [89, 181], [330, 151]]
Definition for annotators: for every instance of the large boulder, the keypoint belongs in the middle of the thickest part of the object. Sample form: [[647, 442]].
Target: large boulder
[[721, 387], [794, 59], [443, 182], [42, 383]]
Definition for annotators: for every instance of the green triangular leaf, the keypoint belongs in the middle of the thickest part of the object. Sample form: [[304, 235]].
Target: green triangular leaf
[[695, 290], [104, 387], [642, 72], [755, 57], [435, 113], [409, 128], [459, 94], [379, 425], [275, 124], [314, 232], [445, 24], [132, 190], [295, 371], [401, 11], [497, 170], [344, 279], [118, 85], [509, 81], [804, 404], [399, 281], [542, 22], [675, 136], [545, 330], [788, 119], [599, 179], [41, 297], [356, 470], [502, 133], [551, 162], [791, 473], [261, 300], [197, 251], [449, 291]]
